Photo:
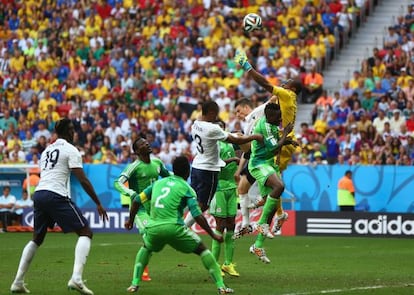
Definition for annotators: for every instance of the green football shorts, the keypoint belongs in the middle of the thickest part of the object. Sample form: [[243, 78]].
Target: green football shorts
[[224, 203], [177, 236], [261, 173]]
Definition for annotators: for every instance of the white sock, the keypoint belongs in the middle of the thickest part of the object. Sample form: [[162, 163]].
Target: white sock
[[244, 208], [27, 255], [189, 220], [81, 254]]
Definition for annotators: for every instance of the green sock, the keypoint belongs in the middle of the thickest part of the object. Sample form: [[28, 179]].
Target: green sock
[[269, 207], [141, 260], [259, 240], [228, 247], [213, 268], [216, 247]]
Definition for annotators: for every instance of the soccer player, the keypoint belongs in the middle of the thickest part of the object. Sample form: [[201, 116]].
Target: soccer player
[[169, 197], [287, 96], [52, 204], [224, 207], [207, 163], [139, 175], [245, 112], [263, 168]]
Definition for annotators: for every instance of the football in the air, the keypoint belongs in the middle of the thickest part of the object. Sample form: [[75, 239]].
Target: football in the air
[[252, 21]]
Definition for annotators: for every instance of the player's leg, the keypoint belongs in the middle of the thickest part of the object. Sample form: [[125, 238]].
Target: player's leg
[[141, 220], [270, 185], [245, 183], [216, 209], [204, 183], [281, 216], [152, 243], [230, 212], [187, 241], [69, 217], [41, 223]]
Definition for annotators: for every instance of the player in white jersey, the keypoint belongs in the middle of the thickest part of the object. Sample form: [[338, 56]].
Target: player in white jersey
[[207, 163], [245, 112], [52, 204]]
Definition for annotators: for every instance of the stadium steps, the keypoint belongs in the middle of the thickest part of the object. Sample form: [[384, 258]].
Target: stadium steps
[[369, 35]]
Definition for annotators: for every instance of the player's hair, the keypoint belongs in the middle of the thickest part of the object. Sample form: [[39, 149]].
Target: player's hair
[[271, 107], [243, 102], [348, 172], [209, 106], [62, 126], [181, 166], [135, 144]]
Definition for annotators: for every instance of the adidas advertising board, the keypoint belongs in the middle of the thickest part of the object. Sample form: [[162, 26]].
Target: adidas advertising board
[[355, 224]]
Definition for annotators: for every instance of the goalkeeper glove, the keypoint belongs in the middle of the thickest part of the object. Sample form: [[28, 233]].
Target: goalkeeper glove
[[241, 59]]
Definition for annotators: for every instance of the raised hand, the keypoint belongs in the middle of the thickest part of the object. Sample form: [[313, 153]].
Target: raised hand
[[241, 58]]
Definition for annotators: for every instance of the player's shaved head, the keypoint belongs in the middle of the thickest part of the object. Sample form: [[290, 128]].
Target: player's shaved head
[[181, 167], [294, 85]]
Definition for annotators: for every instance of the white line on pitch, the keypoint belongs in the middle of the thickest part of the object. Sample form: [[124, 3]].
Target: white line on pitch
[[331, 291]]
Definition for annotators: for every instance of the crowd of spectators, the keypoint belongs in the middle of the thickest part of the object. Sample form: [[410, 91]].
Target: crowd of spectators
[[370, 120], [125, 69]]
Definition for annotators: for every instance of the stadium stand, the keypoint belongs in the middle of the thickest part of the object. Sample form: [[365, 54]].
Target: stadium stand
[[124, 69]]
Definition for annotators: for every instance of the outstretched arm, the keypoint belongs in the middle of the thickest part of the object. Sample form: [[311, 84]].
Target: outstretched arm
[[87, 186], [241, 59]]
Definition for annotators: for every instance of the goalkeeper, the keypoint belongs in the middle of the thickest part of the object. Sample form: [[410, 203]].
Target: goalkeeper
[[287, 96]]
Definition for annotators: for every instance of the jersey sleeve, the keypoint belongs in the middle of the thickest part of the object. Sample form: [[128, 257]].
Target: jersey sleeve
[[122, 179], [217, 133], [192, 203], [282, 93], [144, 196], [75, 159]]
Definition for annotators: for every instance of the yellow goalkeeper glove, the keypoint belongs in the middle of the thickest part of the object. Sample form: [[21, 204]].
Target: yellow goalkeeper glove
[[241, 58]]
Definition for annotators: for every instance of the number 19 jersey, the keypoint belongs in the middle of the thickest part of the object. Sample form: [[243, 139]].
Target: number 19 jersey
[[207, 135], [56, 163]]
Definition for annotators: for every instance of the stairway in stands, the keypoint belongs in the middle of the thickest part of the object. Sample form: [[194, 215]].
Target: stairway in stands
[[369, 35]]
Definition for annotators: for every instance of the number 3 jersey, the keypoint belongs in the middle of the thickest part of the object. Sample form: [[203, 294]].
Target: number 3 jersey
[[56, 163], [206, 136]]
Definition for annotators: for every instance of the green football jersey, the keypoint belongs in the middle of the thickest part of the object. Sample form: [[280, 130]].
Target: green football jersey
[[169, 197], [226, 175], [139, 176], [264, 152]]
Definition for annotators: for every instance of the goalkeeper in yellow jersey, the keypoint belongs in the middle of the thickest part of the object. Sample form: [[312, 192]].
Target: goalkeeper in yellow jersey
[[287, 96]]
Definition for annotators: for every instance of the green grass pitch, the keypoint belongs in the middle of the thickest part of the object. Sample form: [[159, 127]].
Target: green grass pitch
[[300, 266]]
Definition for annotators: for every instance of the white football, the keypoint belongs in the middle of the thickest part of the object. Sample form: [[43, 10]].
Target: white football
[[252, 21]]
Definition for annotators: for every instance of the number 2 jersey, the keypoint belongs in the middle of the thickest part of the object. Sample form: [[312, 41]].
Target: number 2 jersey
[[56, 163], [169, 197], [206, 136]]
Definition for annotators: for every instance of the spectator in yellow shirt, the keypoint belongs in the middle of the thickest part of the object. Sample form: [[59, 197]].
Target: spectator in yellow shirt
[[17, 62], [403, 79], [46, 101]]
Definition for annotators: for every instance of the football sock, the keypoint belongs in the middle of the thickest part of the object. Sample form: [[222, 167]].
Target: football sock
[[216, 246], [244, 203], [213, 268], [81, 254], [259, 240], [279, 209], [141, 261], [228, 247], [268, 208], [27, 255], [189, 220], [146, 271]]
